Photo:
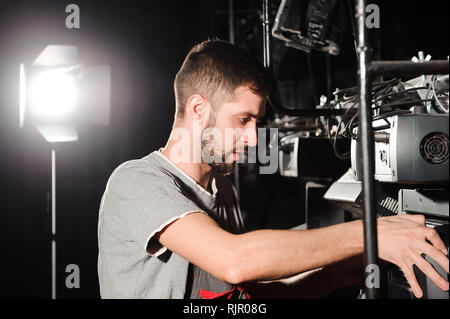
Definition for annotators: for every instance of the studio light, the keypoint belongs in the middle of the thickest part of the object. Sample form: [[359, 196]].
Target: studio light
[[53, 94], [57, 93]]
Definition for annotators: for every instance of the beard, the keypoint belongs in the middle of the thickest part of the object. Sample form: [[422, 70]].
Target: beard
[[219, 163]]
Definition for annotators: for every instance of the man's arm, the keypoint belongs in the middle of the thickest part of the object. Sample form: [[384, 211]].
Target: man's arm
[[274, 254], [261, 254], [312, 284]]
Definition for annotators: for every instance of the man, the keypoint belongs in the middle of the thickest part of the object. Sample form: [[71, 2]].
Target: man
[[170, 225]]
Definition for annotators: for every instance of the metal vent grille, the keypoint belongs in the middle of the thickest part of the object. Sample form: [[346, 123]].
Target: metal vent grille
[[390, 205], [434, 148]]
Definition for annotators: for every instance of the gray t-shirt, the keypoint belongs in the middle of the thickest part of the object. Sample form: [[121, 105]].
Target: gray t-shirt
[[141, 198]]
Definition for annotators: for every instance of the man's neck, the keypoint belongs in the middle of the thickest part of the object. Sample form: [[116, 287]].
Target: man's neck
[[199, 172]]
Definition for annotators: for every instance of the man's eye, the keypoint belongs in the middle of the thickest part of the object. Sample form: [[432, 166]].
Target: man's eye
[[244, 120]]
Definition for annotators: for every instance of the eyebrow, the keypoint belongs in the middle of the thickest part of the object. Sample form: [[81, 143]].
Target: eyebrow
[[251, 115]]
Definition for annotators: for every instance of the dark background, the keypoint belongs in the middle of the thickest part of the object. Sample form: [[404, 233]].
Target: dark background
[[144, 42]]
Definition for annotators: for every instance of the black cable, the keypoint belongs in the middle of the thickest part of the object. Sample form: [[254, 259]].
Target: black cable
[[384, 116], [345, 155], [397, 93], [333, 140], [375, 86], [382, 93], [380, 128], [383, 96], [390, 114], [400, 103]]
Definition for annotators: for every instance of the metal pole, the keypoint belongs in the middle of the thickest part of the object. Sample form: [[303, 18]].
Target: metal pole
[[367, 145], [53, 221], [232, 40], [231, 33], [409, 68], [266, 38]]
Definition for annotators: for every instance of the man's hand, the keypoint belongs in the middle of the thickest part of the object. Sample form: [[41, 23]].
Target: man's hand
[[402, 240], [264, 255]]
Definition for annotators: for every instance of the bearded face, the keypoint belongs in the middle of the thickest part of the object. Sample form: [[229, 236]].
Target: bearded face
[[230, 130], [221, 158]]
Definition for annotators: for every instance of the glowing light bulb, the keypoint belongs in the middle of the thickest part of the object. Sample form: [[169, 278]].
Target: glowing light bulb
[[53, 94]]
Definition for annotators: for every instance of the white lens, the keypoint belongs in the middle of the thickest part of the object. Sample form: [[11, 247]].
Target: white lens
[[53, 94]]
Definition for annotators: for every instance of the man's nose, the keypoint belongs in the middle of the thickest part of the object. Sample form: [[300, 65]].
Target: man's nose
[[251, 136]]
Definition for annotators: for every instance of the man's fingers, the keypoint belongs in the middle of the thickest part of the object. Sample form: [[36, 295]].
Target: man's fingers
[[431, 273], [436, 255], [433, 236], [411, 277]]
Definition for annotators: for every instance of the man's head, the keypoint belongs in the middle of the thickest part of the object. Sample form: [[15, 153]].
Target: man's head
[[224, 88], [214, 69]]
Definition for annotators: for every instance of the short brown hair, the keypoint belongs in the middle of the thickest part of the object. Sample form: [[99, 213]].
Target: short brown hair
[[215, 69]]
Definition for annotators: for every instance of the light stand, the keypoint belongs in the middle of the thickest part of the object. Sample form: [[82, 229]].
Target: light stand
[[50, 100], [53, 169]]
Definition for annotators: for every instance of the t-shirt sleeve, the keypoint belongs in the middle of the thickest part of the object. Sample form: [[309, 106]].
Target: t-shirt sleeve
[[145, 203]]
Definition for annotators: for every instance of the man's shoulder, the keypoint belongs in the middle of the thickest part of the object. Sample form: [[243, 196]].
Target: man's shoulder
[[137, 171], [135, 167]]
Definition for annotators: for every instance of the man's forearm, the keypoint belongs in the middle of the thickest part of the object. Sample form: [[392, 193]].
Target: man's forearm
[[274, 254], [313, 284], [309, 285]]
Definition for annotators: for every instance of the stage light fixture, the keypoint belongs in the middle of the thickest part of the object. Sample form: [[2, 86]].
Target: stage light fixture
[[56, 94], [53, 94]]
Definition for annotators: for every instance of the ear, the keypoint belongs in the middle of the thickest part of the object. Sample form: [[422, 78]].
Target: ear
[[198, 108]]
